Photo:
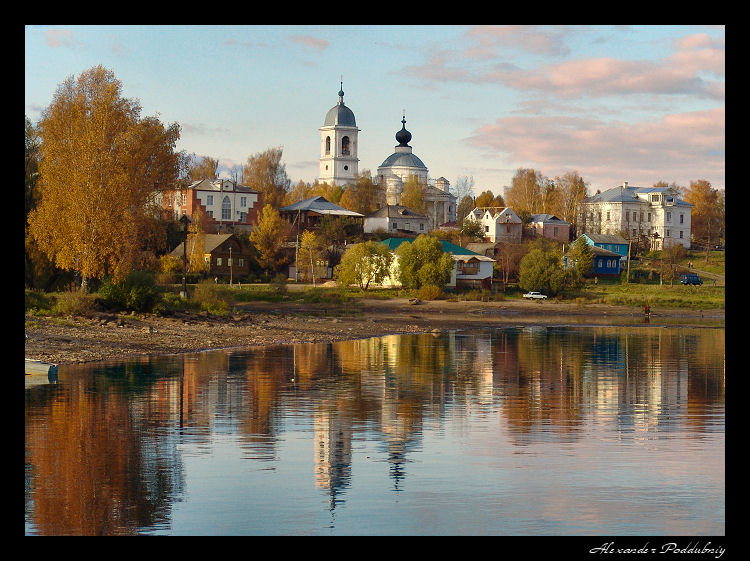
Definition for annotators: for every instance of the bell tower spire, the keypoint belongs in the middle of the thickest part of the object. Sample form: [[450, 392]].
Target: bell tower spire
[[339, 144]]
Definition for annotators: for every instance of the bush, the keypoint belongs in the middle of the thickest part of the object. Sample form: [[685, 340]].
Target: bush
[[430, 292], [138, 292], [74, 302], [207, 296]]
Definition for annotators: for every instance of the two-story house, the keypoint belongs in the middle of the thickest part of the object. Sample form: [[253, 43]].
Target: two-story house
[[654, 212], [225, 204], [500, 224], [550, 226]]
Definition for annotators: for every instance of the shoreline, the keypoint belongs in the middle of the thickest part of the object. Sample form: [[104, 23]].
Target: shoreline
[[107, 336]]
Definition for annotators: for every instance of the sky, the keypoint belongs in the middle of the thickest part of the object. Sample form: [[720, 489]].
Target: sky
[[640, 104]]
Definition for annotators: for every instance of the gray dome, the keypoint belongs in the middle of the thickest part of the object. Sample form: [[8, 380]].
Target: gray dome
[[403, 159], [340, 114]]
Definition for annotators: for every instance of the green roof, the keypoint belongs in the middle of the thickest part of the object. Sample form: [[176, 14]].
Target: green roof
[[448, 247]]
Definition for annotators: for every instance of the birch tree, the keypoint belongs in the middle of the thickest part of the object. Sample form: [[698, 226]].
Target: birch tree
[[100, 165]]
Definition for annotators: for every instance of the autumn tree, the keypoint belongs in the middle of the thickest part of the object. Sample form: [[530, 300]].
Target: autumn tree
[[465, 206], [489, 199], [525, 195], [583, 256], [423, 263], [571, 191], [364, 196], [268, 237], [265, 173], [308, 254], [706, 217], [364, 264], [202, 167], [414, 194], [100, 164]]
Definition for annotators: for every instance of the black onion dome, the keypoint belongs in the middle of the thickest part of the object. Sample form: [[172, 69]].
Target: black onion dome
[[403, 136]]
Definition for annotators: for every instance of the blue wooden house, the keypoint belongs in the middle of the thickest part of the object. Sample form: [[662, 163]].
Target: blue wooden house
[[611, 242], [608, 250]]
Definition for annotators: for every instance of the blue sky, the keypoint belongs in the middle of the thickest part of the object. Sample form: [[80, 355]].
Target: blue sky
[[614, 103]]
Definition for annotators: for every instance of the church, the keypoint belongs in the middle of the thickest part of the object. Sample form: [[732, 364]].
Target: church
[[339, 140]]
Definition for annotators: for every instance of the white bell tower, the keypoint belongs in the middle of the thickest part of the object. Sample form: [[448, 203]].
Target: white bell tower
[[338, 145]]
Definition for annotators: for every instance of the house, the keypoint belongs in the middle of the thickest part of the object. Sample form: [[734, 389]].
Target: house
[[222, 254], [307, 214], [226, 205], [470, 269], [609, 252], [550, 226], [656, 213], [500, 224], [397, 219], [611, 242]]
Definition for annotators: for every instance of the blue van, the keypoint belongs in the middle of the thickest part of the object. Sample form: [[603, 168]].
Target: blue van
[[690, 278]]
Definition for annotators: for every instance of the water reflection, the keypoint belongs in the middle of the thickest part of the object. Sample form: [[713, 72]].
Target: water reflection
[[110, 448]]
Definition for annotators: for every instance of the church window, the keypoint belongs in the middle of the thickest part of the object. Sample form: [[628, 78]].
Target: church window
[[226, 209], [328, 144], [346, 168], [345, 146]]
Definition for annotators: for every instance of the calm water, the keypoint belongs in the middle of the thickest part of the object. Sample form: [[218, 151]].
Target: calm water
[[518, 431]]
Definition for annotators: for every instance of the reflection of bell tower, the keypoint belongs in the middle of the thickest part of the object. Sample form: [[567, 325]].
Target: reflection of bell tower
[[338, 145]]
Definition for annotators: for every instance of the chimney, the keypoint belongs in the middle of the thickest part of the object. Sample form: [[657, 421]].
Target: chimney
[[624, 184]]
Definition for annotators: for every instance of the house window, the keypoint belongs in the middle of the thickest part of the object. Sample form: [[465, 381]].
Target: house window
[[607, 216], [627, 216], [241, 262], [601, 263], [226, 209], [170, 200], [421, 226], [669, 217], [682, 219], [209, 200], [554, 234], [407, 226], [649, 217], [486, 229], [218, 261], [680, 234], [184, 199], [395, 225], [243, 201], [210, 213]]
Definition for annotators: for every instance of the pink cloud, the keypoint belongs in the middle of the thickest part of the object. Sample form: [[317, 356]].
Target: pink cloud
[[532, 38], [60, 38], [308, 41], [679, 147]]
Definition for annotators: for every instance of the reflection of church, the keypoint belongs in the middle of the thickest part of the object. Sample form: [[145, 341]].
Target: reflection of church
[[339, 164]]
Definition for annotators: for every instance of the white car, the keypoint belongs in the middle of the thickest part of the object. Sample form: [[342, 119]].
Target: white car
[[535, 296]]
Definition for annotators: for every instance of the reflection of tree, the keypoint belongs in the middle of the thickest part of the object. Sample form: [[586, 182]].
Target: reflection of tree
[[93, 471]]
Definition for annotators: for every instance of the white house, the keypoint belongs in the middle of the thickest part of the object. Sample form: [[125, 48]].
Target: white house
[[397, 218], [655, 212], [469, 268], [500, 224]]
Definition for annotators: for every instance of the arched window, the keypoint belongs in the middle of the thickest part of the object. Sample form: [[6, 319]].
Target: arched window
[[328, 144], [226, 209], [345, 146]]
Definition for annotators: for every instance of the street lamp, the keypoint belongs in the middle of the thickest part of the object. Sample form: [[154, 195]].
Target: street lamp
[[184, 220]]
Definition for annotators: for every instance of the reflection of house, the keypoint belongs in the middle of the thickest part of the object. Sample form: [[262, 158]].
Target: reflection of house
[[397, 218], [226, 205], [222, 254], [550, 226], [500, 224], [307, 214], [469, 268]]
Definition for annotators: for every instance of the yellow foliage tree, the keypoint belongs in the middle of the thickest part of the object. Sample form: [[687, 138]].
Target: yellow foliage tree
[[308, 254], [100, 165], [268, 236]]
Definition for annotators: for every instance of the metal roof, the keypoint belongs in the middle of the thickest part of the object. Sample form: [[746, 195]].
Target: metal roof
[[403, 159], [395, 211], [340, 115], [321, 205]]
